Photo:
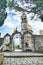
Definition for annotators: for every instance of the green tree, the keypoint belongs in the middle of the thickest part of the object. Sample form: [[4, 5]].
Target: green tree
[[39, 8], [10, 4], [3, 14]]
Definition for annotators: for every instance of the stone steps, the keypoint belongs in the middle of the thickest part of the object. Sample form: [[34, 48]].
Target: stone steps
[[22, 58]]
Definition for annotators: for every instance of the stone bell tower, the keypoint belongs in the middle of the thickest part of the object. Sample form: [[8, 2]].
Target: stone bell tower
[[23, 23]]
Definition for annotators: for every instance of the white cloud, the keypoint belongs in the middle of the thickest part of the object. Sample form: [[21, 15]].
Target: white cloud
[[36, 23], [13, 21], [9, 23]]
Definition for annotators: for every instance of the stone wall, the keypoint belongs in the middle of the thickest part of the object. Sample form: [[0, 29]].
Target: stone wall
[[23, 59], [38, 43]]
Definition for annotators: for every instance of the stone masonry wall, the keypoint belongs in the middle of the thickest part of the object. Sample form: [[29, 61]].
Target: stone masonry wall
[[23, 61], [39, 43]]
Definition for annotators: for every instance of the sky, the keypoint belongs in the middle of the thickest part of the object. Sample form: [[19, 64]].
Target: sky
[[13, 20]]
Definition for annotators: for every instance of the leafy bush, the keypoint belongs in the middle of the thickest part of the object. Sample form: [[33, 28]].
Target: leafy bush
[[7, 44]]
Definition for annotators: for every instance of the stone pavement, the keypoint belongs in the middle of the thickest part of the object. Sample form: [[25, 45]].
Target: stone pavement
[[22, 58], [23, 61]]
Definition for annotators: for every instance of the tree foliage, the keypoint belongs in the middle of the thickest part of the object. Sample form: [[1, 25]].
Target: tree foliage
[[39, 8], [10, 4], [3, 14]]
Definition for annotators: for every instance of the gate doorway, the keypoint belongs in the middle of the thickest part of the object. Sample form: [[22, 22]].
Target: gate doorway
[[17, 42]]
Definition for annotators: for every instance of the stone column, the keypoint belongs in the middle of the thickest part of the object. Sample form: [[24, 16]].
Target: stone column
[[22, 43]]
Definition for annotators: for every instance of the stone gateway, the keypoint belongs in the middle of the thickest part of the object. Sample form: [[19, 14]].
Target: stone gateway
[[22, 41]]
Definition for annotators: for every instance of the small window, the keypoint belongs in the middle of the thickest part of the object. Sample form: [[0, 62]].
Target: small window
[[26, 44]]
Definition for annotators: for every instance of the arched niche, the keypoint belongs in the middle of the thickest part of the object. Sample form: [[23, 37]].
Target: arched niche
[[6, 42], [28, 41], [17, 41]]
